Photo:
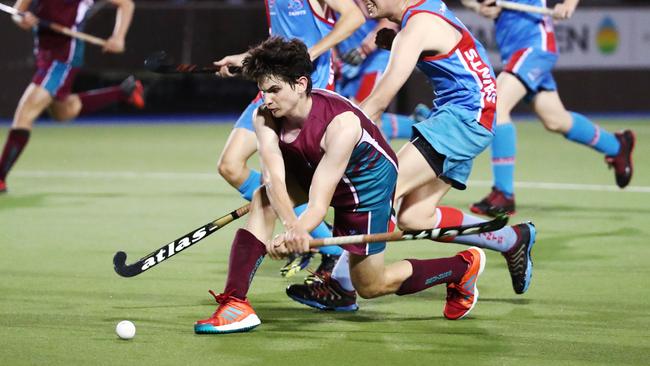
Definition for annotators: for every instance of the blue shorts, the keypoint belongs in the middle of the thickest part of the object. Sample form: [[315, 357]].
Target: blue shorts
[[367, 221], [533, 67], [456, 138], [245, 120]]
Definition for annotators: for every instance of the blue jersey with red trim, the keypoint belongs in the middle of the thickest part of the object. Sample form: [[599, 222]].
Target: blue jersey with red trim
[[464, 76], [50, 45], [516, 30], [296, 19]]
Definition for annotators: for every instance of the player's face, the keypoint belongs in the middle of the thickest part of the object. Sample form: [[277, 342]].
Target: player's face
[[280, 97], [376, 8]]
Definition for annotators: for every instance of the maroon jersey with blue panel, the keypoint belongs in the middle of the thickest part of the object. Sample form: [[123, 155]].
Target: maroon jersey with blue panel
[[50, 45], [363, 197]]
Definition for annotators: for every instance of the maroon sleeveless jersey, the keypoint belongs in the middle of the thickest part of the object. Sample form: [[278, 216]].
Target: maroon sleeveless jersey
[[370, 175], [50, 45]]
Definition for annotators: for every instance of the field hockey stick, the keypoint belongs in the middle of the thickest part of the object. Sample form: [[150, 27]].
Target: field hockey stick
[[433, 234], [58, 27], [160, 62], [154, 258], [510, 5]]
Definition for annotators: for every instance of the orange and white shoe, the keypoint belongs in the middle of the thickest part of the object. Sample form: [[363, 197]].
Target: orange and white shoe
[[462, 295], [233, 315]]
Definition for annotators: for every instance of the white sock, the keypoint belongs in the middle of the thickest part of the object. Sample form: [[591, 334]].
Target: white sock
[[341, 272]]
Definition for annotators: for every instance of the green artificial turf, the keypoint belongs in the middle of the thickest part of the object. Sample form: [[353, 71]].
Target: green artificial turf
[[80, 193]]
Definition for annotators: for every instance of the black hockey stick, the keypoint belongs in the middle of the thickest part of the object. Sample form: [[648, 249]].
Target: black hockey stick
[[434, 234], [154, 258], [160, 62]]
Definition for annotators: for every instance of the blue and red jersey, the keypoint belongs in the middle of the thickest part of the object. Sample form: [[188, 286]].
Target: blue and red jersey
[[369, 178], [296, 19], [52, 46], [463, 77], [518, 31]]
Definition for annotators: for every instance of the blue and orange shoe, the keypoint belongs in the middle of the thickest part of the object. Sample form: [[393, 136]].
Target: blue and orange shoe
[[233, 315], [462, 295], [134, 91], [519, 258]]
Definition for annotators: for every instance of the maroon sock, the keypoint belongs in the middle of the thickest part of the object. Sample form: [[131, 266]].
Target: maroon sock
[[246, 255], [16, 142], [94, 100], [431, 272]]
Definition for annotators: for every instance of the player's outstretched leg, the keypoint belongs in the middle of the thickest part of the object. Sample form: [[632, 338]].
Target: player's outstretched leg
[[129, 91], [622, 161]]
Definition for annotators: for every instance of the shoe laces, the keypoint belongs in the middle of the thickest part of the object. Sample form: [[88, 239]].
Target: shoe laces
[[321, 289], [223, 298]]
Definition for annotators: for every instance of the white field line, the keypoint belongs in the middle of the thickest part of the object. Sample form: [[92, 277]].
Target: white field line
[[215, 176]]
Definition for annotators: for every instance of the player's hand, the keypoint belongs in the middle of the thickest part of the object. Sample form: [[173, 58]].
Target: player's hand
[[563, 11], [489, 9], [224, 63], [25, 21], [114, 44], [354, 57], [276, 248], [296, 239]]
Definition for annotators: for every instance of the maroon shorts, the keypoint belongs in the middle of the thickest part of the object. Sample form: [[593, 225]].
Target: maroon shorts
[[56, 77], [372, 221]]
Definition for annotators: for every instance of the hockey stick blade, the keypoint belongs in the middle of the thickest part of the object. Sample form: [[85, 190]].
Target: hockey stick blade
[[165, 252]]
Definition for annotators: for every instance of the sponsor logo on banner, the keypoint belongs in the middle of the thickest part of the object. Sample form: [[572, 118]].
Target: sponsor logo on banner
[[607, 37]]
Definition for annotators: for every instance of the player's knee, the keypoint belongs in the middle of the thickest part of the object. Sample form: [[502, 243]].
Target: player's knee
[[557, 122], [407, 220], [229, 169]]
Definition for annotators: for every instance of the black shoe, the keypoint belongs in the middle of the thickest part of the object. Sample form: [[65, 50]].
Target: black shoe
[[622, 162], [325, 294], [519, 259], [327, 263], [494, 204]]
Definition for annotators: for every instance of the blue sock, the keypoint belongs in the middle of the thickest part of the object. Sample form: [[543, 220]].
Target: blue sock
[[396, 126], [321, 231], [504, 149], [585, 132], [249, 186]]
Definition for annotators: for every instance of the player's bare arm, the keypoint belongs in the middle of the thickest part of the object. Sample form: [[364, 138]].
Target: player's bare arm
[[424, 32], [339, 140], [351, 19], [27, 21], [115, 43], [565, 9], [273, 175]]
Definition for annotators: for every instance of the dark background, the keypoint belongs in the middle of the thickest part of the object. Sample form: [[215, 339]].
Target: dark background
[[203, 31]]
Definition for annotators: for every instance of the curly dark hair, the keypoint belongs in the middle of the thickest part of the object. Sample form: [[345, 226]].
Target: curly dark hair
[[287, 60]]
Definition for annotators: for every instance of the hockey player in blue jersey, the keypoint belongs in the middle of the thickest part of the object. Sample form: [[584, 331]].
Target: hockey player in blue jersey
[[528, 49], [443, 147]]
